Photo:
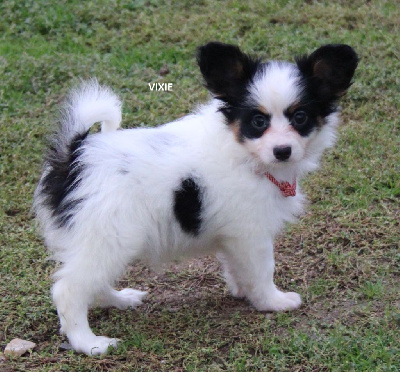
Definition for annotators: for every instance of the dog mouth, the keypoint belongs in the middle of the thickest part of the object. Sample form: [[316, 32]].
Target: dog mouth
[[281, 164], [274, 164], [277, 161]]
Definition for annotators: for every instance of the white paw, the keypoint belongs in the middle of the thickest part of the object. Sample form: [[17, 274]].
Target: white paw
[[236, 291], [93, 345], [128, 297], [279, 301]]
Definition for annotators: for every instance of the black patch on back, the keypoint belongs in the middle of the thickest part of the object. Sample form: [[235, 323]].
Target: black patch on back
[[63, 178], [188, 206]]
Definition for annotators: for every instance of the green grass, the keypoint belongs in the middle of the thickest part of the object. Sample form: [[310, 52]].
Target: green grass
[[343, 256]]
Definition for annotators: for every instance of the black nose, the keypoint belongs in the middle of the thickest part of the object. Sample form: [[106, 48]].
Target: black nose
[[282, 152]]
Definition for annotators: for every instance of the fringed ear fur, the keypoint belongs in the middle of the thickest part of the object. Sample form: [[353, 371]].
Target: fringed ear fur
[[329, 69], [226, 70]]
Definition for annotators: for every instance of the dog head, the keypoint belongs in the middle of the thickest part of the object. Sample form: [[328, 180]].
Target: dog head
[[278, 109]]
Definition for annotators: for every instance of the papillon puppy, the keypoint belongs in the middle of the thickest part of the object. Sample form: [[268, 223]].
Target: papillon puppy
[[223, 180]]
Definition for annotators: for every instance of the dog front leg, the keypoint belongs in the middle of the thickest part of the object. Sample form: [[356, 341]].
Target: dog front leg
[[249, 270]]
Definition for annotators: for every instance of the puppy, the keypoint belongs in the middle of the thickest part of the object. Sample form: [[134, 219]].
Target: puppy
[[222, 180]]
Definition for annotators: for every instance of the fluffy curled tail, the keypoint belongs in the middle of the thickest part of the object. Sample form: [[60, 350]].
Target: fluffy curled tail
[[86, 105]]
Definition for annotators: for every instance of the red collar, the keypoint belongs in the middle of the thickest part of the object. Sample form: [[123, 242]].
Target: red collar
[[286, 188]]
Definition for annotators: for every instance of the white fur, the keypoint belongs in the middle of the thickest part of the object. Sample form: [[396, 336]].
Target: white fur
[[91, 104], [127, 188], [276, 86]]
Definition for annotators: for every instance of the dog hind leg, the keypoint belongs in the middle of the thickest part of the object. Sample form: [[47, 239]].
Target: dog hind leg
[[72, 300], [84, 277], [122, 299]]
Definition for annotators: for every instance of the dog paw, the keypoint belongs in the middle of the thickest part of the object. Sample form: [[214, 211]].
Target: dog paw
[[279, 301], [128, 297], [235, 290], [237, 293], [94, 345]]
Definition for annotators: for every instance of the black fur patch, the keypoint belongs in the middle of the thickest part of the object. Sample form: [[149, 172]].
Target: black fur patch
[[329, 70], [227, 71], [228, 74], [326, 75], [245, 118], [63, 178], [315, 111], [188, 206]]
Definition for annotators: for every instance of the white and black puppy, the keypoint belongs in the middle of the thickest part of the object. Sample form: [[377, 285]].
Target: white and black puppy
[[222, 180]]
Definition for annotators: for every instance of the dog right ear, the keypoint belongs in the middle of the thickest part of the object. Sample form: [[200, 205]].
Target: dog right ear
[[226, 71]]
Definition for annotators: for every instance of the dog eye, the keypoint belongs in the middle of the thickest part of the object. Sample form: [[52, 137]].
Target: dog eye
[[300, 118], [259, 122]]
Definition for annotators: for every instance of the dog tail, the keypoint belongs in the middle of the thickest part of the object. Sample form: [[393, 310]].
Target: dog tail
[[85, 105], [88, 104]]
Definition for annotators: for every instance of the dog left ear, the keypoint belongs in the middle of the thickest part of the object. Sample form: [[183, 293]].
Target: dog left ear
[[226, 70], [329, 69]]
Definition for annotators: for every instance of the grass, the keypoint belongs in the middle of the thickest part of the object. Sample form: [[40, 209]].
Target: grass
[[343, 256]]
